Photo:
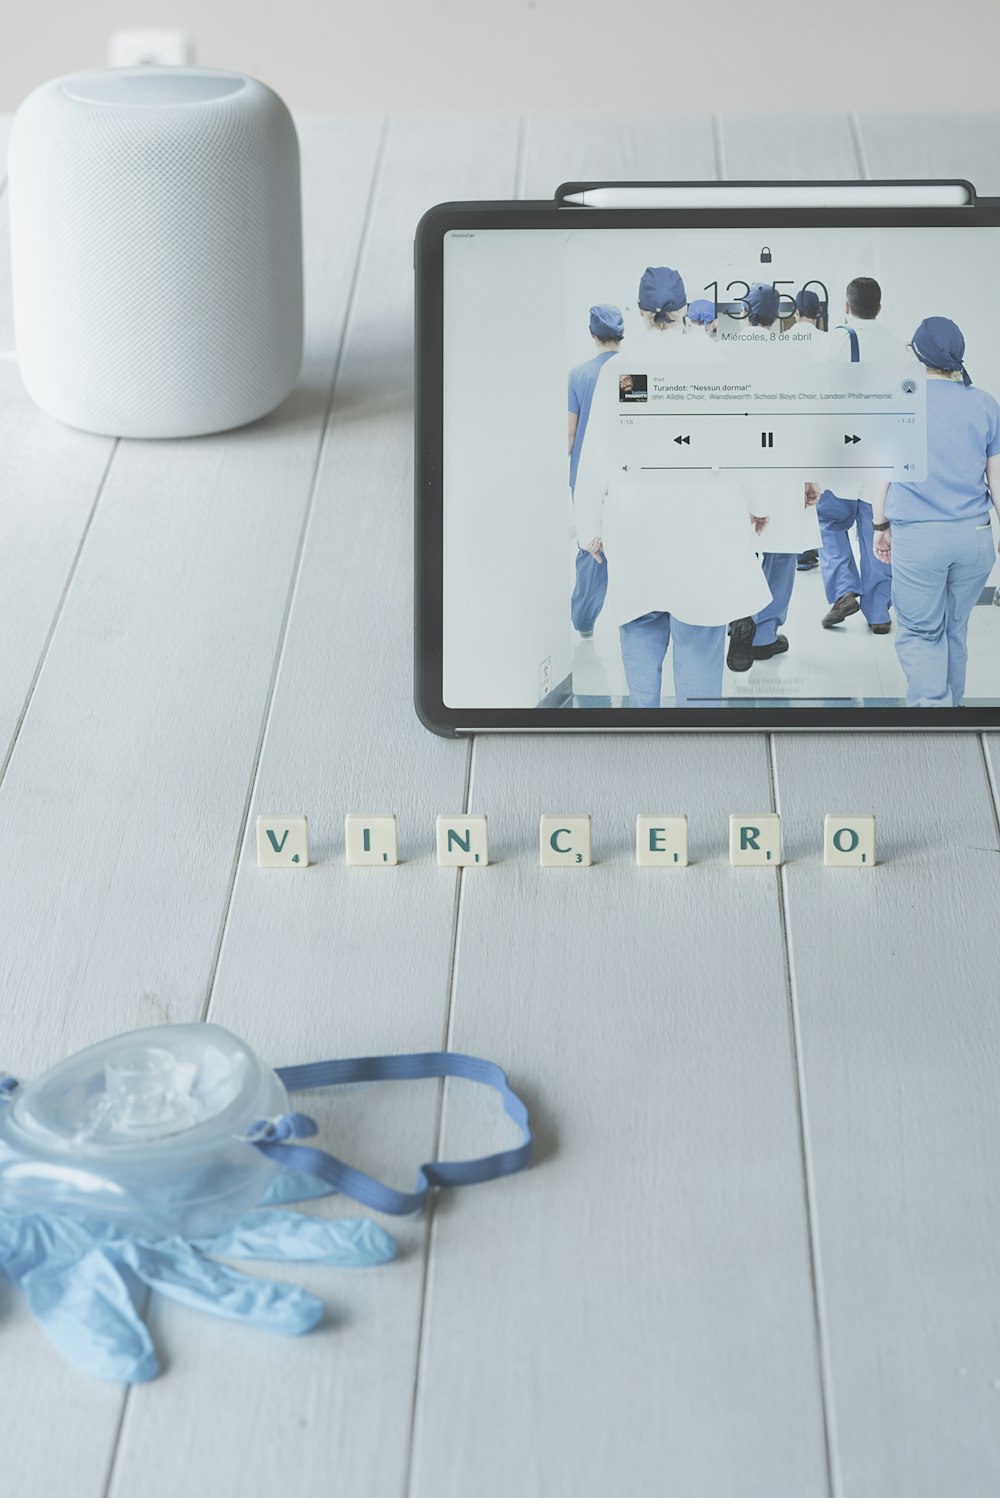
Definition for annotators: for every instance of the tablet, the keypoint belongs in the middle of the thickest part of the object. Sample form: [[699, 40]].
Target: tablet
[[709, 457]]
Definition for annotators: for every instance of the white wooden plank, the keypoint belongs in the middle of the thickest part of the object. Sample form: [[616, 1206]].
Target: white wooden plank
[[635, 1288], [898, 1096], [6, 306], [342, 961], [652, 1270], [991, 749], [755, 147], [933, 145], [614, 146], [124, 800], [895, 974], [49, 481]]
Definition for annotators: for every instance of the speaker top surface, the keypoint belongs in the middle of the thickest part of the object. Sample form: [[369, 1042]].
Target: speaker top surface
[[151, 87]]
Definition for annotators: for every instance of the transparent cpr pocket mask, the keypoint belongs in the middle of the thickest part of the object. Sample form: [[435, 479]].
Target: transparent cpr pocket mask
[[180, 1129]]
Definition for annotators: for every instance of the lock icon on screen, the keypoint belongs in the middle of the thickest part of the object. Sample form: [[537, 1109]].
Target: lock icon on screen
[[765, 255]]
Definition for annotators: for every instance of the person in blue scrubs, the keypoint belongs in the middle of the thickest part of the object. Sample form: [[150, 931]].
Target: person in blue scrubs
[[702, 317], [698, 651], [645, 640], [698, 648], [763, 303], [758, 638], [850, 589], [807, 333], [936, 534], [607, 328]]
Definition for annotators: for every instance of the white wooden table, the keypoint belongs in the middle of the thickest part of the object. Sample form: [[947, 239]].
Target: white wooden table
[[759, 1254]]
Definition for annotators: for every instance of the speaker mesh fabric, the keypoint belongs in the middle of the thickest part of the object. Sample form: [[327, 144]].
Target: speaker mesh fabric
[[156, 256]]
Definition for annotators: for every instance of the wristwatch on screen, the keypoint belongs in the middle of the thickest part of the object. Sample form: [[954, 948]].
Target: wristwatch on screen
[[883, 527]]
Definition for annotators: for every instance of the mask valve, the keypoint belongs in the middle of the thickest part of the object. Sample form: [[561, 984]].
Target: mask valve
[[147, 1092]]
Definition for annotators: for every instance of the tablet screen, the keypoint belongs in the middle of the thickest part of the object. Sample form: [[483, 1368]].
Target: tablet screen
[[666, 453]]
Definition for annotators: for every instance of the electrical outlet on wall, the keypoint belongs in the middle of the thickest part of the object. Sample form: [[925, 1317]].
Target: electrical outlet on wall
[[132, 49]]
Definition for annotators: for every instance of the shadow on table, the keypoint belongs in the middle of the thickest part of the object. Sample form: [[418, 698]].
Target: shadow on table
[[359, 401]]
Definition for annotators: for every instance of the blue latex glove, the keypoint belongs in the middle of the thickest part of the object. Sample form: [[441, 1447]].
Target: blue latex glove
[[80, 1277]]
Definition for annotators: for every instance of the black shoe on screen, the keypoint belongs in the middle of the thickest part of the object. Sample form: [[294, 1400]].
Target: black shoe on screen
[[739, 656], [846, 605]]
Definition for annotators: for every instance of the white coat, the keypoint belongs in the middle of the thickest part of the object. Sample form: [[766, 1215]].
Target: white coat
[[678, 546], [877, 344], [791, 527]]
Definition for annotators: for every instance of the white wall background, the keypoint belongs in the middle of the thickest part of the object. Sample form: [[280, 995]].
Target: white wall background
[[546, 54]]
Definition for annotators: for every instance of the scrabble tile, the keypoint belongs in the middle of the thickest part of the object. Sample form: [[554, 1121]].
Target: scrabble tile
[[754, 840], [661, 842], [564, 842], [848, 841], [371, 840], [282, 842], [462, 841]]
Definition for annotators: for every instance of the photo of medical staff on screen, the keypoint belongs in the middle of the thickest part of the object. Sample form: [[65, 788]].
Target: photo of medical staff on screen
[[735, 582]]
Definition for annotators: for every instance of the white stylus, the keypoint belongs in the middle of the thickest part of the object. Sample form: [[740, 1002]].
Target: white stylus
[[785, 195]]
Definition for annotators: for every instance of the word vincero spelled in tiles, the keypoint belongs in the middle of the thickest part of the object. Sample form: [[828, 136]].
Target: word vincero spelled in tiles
[[661, 841]]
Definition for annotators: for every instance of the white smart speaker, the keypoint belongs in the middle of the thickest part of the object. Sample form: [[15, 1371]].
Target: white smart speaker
[[156, 246]]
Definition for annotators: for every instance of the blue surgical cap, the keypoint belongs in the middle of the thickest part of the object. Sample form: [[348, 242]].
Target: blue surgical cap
[[808, 303], [701, 311], [606, 322], [661, 290], [763, 303], [939, 344]]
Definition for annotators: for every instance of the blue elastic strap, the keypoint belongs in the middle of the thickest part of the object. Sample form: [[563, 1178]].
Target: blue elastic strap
[[363, 1188]]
